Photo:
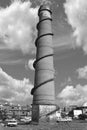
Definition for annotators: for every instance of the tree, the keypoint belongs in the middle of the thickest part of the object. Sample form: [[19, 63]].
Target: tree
[[82, 116], [71, 114], [3, 115]]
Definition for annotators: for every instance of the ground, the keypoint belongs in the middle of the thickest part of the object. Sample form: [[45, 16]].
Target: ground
[[50, 126]]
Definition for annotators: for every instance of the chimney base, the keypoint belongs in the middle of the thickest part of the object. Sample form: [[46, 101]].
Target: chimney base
[[40, 111]]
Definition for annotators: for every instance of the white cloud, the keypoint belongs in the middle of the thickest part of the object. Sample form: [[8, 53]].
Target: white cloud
[[13, 90], [76, 12], [71, 95], [66, 81], [30, 64], [18, 25], [82, 72], [45, 1]]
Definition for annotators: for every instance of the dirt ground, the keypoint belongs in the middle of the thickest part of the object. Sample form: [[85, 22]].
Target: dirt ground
[[50, 126]]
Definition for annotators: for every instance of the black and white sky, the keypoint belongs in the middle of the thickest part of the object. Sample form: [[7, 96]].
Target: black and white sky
[[18, 32]]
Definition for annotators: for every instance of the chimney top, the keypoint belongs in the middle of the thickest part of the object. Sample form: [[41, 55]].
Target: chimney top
[[45, 7]]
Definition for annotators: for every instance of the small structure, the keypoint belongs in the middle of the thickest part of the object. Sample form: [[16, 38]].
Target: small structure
[[82, 110], [77, 112]]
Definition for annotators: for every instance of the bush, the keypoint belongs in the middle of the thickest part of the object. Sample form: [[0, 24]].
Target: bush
[[82, 116]]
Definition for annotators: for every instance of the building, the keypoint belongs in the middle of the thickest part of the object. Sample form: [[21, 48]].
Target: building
[[76, 111], [15, 111]]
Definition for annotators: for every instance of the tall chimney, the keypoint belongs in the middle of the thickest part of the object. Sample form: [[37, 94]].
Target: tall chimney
[[44, 90]]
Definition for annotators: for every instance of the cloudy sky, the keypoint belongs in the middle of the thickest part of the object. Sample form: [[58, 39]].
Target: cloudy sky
[[17, 51]]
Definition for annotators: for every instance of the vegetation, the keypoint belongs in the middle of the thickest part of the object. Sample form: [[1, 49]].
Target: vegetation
[[71, 114], [82, 116], [3, 115]]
